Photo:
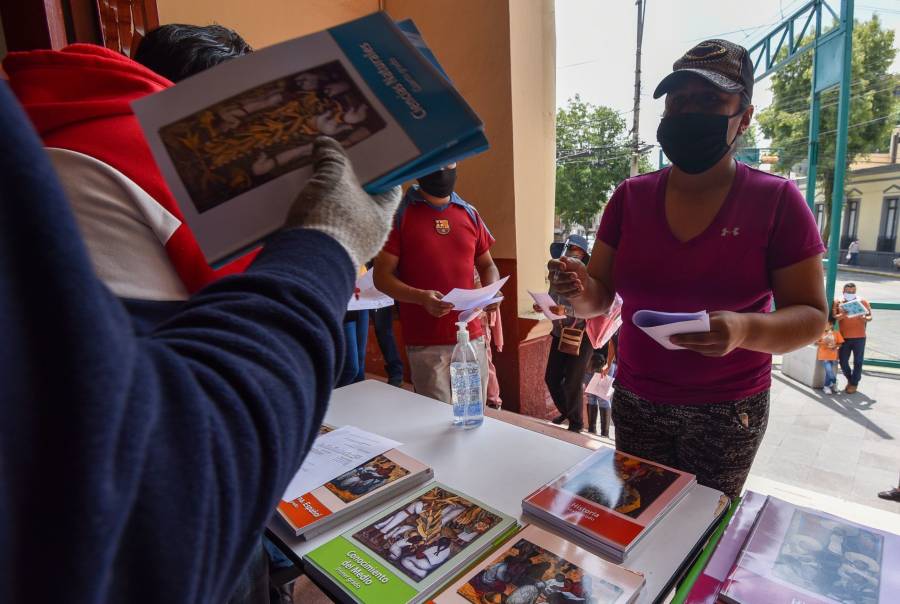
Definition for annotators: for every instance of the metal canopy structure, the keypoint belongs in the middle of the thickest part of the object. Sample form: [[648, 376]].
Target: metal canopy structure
[[832, 53]]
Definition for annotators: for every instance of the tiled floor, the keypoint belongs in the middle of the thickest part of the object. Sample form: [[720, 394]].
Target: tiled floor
[[843, 446]]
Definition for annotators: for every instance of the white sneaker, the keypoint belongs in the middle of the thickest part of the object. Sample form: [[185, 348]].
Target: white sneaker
[[828, 390]]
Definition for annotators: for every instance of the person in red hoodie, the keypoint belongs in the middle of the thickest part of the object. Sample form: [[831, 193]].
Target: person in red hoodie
[[79, 100]]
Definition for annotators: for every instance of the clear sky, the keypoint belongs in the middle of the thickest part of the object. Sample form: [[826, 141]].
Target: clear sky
[[595, 44]]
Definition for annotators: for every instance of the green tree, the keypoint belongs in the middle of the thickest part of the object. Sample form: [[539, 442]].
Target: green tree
[[749, 139], [872, 108], [592, 150]]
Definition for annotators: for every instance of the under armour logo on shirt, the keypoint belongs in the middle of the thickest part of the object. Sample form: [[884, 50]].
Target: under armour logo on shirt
[[735, 231]]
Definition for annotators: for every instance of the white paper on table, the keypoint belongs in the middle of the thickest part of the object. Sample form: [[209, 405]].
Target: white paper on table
[[546, 301], [334, 453], [368, 297], [660, 325], [466, 299]]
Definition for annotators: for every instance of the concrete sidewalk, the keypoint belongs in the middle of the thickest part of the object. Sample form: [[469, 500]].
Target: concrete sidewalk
[[862, 270], [843, 446]]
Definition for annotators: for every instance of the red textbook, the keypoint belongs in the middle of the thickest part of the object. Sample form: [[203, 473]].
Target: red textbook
[[610, 500]]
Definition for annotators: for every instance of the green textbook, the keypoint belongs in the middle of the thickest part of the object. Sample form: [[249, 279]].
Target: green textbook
[[409, 551]]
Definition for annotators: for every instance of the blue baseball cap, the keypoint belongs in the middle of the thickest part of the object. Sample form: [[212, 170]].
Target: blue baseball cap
[[578, 241]]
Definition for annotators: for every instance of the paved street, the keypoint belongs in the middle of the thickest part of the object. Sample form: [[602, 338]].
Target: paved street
[[843, 446]]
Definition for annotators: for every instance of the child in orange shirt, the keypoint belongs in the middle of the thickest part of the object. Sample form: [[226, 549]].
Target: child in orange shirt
[[829, 344]]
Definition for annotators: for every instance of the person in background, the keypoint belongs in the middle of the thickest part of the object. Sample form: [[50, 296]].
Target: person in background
[[594, 402], [492, 327], [177, 51], [79, 100], [854, 331], [608, 368], [891, 494], [383, 319], [853, 253], [603, 361], [708, 232], [356, 337], [829, 344], [171, 449], [570, 351], [437, 240]]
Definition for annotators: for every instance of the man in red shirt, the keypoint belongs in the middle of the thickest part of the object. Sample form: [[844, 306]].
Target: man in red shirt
[[437, 240]]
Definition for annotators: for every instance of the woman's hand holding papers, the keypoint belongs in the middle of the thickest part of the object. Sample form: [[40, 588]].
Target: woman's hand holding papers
[[727, 331]]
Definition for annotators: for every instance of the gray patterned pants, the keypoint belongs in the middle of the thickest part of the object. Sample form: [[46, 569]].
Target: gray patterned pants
[[716, 441]]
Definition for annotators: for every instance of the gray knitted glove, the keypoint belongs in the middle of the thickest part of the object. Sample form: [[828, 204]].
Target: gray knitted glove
[[334, 203]]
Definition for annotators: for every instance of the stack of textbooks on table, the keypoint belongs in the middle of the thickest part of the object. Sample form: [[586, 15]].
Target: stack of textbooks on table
[[536, 566], [352, 493], [409, 551], [235, 142], [776, 552], [610, 501]]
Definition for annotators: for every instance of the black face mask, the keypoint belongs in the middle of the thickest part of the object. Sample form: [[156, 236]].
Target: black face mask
[[440, 183], [695, 142]]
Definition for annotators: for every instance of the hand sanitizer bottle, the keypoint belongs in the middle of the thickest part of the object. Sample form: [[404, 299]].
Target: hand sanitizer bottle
[[465, 382]]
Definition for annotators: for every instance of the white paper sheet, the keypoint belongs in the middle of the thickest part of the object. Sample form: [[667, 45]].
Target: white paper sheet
[[467, 315], [601, 385], [466, 299], [368, 297], [546, 301], [334, 453], [660, 325]]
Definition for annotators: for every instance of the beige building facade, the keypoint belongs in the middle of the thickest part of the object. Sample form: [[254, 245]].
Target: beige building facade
[[871, 212]]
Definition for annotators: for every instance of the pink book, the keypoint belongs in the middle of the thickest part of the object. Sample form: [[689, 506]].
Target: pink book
[[796, 555], [537, 566], [709, 583]]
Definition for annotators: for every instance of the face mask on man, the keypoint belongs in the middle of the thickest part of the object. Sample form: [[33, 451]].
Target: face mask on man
[[695, 142], [849, 297], [440, 183]]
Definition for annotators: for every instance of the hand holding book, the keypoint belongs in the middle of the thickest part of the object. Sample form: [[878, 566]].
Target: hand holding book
[[334, 203], [235, 142]]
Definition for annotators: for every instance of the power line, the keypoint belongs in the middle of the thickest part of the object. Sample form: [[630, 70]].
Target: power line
[[879, 9], [797, 142], [579, 154], [784, 102], [615, 114], [603, 160], [836, 102]]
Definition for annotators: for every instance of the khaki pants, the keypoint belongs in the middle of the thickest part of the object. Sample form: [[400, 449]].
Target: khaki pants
[[429, 367]]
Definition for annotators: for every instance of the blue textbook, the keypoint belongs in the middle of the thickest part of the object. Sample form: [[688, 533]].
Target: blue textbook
[[234, 143]]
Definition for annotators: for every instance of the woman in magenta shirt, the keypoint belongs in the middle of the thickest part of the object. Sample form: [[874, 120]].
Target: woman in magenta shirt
[[713, 234]]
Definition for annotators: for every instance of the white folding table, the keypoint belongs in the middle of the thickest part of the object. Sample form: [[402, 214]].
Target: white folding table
[[500, 464]]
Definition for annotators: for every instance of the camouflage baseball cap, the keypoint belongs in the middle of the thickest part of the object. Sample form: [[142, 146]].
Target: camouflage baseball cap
[[724, 64]]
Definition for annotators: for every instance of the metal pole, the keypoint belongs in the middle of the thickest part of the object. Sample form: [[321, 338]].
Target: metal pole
[[635, 135], [840, 158], [813, 154]]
